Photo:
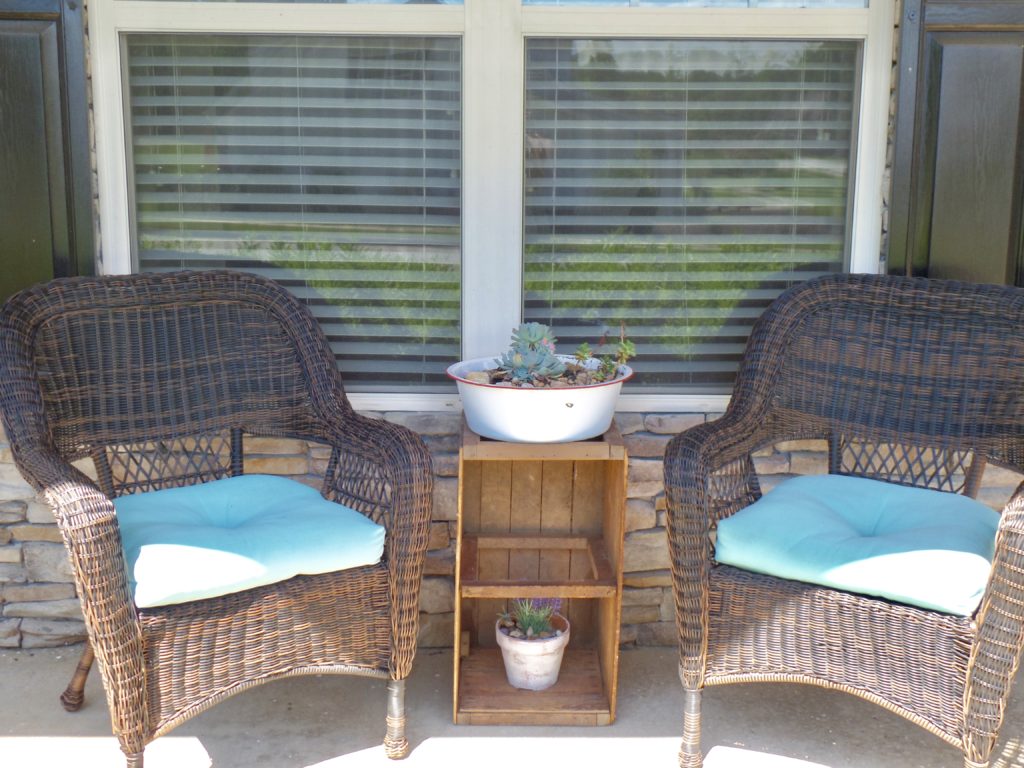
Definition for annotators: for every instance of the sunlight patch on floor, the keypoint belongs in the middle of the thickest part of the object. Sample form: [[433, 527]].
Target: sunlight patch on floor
[[96, 752], [505, 750], [512, 750], [731, 757]]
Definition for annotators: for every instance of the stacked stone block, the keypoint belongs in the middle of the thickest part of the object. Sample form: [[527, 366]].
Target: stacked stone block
[[38, 606]]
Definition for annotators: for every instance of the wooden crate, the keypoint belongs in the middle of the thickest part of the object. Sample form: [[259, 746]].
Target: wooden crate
[[539, 521]]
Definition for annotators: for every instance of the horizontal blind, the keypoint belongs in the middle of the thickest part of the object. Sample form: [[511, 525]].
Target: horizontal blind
[[677, 187], [330, 164]]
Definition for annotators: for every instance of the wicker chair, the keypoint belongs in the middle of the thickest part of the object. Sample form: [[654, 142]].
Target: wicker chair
[[158, 379], [912, 382]]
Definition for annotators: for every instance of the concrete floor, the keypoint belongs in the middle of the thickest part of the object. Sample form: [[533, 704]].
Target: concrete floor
[[338, 722]]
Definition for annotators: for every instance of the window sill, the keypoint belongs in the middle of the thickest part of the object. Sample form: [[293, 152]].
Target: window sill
[[635, 403]]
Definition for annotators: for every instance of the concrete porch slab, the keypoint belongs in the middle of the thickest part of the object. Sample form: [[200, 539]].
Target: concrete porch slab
[[338, 722]]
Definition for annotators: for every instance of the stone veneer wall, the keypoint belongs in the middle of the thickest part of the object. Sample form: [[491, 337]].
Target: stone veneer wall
[[38, 606]]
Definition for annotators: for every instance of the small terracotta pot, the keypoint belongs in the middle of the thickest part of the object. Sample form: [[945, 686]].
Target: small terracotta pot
[[533, 664]]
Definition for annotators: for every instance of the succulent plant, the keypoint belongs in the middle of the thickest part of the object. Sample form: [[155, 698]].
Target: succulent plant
[[532, 617], [608, 367], [531, 365], [625, 349], [583, 353], [531, 356], [531, 361], [533, 336]]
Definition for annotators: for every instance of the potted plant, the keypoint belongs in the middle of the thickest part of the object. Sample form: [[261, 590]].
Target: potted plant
[[530, 394], [532, 636]]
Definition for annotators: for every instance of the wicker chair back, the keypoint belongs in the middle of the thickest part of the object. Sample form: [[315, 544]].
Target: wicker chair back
[[220, 352], [909, 379]]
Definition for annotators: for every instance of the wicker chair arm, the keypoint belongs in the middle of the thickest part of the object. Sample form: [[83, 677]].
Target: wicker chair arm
[[996, 654], [708, 469], [708, 475], [92, 538], [385, 470]]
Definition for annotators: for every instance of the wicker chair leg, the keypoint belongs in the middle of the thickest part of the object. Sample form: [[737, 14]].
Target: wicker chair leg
[[396, 746], [134, 760], [74, 694], [689, 752]]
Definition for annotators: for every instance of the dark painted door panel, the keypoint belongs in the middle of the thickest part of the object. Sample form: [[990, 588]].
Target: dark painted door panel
[[45, 197], [957, 176]]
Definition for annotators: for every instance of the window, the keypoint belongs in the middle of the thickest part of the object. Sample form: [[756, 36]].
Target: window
[[675, 187], [427, 175], [330, 164]]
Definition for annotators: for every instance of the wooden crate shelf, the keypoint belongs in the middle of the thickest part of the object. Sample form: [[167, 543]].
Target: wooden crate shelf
[[539, 521], [578, 698], [600, 582]]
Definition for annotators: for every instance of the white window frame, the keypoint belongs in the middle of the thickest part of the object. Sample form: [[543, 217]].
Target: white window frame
[[494, 34]]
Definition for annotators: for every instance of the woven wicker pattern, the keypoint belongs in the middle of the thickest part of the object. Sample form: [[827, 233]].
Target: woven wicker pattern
[[909, 381], [158, 379]]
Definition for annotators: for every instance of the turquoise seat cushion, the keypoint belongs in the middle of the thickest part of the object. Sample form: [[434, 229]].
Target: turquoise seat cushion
[[911, 545], [225, 536]]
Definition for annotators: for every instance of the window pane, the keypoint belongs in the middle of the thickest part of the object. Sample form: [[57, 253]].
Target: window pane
[[677, 187], [331, 164], [710, 3], [351, 2]]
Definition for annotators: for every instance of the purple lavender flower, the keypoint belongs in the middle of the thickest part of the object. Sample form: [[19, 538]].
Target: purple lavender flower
[[555, 603]]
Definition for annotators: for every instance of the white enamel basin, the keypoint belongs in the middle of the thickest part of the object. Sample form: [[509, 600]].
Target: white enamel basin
[[524, 415]]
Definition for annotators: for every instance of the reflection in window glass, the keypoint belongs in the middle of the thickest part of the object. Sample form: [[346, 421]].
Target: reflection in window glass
[[710, 3], [677, 187], [330, 164], [349, 2]]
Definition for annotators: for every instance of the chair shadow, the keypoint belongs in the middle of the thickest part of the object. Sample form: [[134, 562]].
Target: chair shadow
[[1011, 755]]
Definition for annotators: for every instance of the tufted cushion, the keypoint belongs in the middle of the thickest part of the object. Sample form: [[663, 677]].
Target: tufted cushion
[[201, 541], [911, 545]]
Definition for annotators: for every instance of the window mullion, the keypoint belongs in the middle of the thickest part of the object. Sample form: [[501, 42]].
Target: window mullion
[[876, 73], [492, 207]]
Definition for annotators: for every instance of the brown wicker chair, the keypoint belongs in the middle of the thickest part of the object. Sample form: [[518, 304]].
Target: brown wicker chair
[[158, 379], [911, 382]]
